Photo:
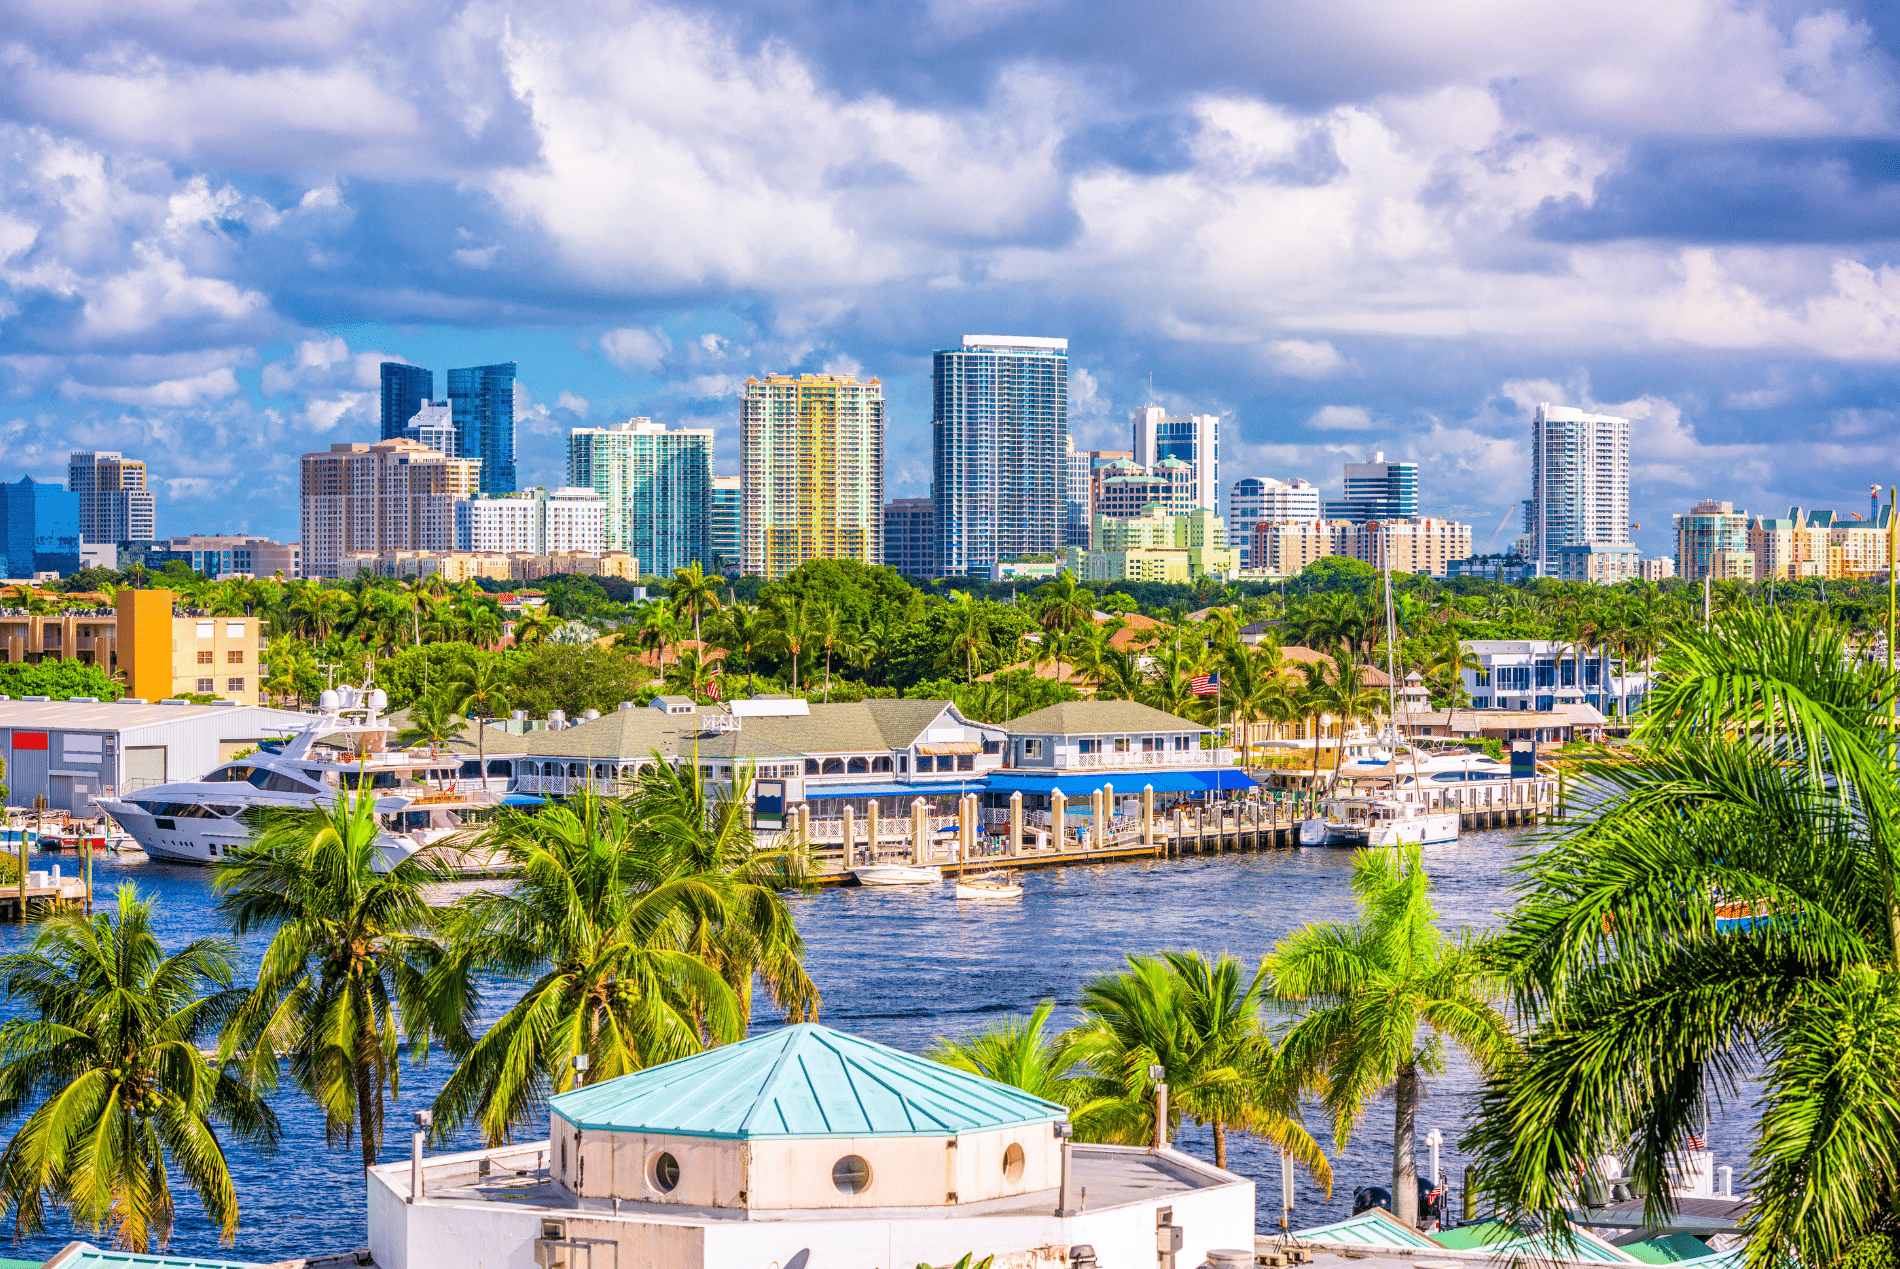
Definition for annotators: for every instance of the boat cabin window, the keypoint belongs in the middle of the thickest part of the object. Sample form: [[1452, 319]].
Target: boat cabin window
[[261, 778]]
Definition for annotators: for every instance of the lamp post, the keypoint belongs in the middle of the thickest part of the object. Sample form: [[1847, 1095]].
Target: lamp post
[[1157, 1073], [423, 1121], [580, 1069]]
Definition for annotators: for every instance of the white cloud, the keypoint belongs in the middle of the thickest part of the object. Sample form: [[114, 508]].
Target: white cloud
[[196, 390], [1303, 358], [568, 401], [1341, 418], [633, 347]]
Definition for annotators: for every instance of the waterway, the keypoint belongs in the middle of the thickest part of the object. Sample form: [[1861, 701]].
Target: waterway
[[903, 966]]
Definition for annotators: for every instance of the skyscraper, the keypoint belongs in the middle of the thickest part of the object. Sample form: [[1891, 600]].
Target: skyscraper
[[1580, 481], [114, 503], [39, 529], [482, 399], [1376, 490], [390, 496], [657, 486], [727, 523], [1192, 438], [811, 464], [434, 426], [910, 539], [405, 389], [1000, 428], [1078, 494], [1252, 500]]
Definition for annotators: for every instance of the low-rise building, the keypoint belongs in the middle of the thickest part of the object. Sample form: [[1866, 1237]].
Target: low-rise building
[[1492, 568], [1535, 674], [214, 555], [158, 649], [459, 566], [1156, 546], [71, 752], [1655, 570], [1031, 568], [1599, 563], [1819, 544]]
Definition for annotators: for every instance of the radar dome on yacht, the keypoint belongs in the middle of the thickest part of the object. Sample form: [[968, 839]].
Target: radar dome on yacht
[[379, 700], [329, 701]]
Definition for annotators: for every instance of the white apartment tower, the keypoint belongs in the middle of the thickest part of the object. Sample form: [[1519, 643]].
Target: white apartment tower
[[434, 426], [391, 496], [1580, 481], [1192, 438], [114, 504], [533, 522], [1253, 499]]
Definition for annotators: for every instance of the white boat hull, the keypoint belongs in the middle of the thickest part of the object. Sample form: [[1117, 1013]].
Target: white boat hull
[[1315, 831], [205, 840], [1426, 830], [898, 875]]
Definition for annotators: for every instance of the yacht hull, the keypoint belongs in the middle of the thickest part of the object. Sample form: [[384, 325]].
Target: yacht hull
[[1427, 830], [898, 875]]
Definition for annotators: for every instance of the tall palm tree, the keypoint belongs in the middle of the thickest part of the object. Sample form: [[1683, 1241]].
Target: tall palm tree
[[1725, 907], [479, 690], [114, 1069], [692, 593], [1382, 995], [828, 628], [792, 629], [1351, 697], [1019, 1052], [1200, 1023], [970, 638], [346, 974], [595, 923], [432, 721], [742, 629]]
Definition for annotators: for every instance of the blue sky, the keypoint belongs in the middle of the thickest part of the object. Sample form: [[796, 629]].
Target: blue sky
[[1344, 226]]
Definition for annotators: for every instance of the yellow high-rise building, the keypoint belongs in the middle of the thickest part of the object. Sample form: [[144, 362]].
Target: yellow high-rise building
[[811, 471]]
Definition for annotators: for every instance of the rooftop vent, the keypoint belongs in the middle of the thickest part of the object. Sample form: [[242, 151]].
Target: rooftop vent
[[82, 700], [36, 698], [173, 700], [627, 705], [133, 700]]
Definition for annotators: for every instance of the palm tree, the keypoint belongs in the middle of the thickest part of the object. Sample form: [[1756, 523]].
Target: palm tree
[[691, 591], [479, 690], [742, 628], [970, 637], [115, 1067], [346, 975], [1725, 903], [1200, 1023], [596, 924], [828, 628], [433, 721], [1369, 988], [1018, 1052], [793, 629], [1351, 697]]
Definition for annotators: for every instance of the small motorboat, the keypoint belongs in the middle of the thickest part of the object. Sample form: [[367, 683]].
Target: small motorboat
[[898, 875], [992, 885]]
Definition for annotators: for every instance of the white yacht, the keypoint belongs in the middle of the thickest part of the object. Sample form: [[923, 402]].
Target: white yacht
[[419, 801], [1378, 821]]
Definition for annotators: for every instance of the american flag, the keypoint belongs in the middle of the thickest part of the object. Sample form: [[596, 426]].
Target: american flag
[[1207, 684], [712, 682]]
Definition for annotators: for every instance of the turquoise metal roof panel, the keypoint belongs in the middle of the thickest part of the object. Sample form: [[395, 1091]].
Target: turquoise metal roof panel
[[87, 1256], [1368, 1229], [803, 1081]]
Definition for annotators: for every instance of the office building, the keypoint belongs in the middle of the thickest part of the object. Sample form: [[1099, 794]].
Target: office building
[[1492, 568], [406, 389], [1193, 439], [999, 432], [811, 466], [1580, 481], [215, 555], [656, 485], [1599, 563], [535, 522], [1127, 487], [39, 529], [728, 519], [115, 502], [910, 537], [1375, 490], [1712, 541], [1078, 494], [1253, 499], [1155, 546], [432, 427], [482, 403], [390, 496]]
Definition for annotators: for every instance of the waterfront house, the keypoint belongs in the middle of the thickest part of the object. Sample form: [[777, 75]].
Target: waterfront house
[[1081, 747], [802, 1146], [1526, 674]]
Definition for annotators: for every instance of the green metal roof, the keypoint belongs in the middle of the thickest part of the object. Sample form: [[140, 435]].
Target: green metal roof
[[803, 1081], [1374, 1228], [78, 1255], [1667, 1249]]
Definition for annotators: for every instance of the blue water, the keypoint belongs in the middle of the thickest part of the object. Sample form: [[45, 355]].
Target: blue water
[[903, 966]]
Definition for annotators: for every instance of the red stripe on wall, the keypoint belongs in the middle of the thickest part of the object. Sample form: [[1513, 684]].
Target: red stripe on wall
[[29, 740]]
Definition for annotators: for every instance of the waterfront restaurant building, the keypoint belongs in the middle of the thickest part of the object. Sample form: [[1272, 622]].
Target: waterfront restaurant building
[[1084, 747], [802, 1147]]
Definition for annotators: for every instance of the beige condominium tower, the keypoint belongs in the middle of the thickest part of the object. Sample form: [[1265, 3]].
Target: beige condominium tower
[[811, 467]]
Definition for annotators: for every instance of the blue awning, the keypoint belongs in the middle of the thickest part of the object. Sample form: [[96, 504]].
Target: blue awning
[[1129, 781]]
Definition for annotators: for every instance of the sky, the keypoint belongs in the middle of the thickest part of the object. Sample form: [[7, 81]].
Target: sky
[[1346, 226]]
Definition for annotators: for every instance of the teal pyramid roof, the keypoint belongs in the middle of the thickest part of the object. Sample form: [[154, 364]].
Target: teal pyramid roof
[[803, 1081]]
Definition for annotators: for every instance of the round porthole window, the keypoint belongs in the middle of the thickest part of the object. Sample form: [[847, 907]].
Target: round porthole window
[[664, 1172], [1013, 1163], [851, 1174]]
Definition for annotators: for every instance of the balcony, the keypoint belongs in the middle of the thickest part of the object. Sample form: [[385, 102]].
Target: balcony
[[1152, 758]]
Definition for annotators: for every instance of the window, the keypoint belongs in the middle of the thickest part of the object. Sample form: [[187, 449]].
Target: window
[[1013, 1163], [903, 763], [1121, 744], [881, 764], [1088, 744], [1481, 677], [204, 658], [1032, 748], [664, 1174], [851, 1174], [834, 766], [234, 630], [966, 762], [207, 685], [1481, 702], [234, 685], [858, 766], [204, 629], [234, 657], [811, 766]]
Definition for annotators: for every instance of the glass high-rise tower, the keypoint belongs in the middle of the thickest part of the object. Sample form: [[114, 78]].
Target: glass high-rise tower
[[406, 389], [1000, 434], [1376, 490], [657, 487], [482, 399], [811, 465]]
